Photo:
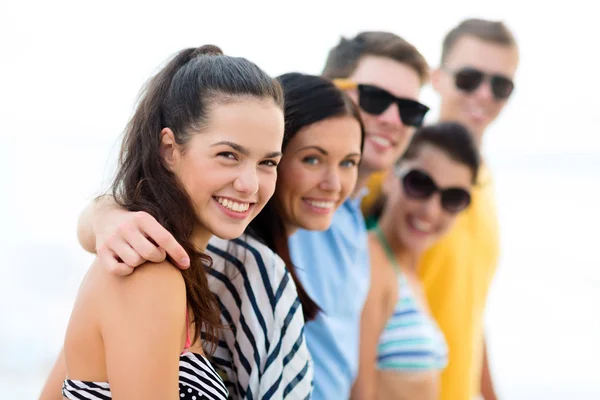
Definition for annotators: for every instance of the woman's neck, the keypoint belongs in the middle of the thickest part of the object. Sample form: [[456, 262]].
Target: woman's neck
[[200, 238], [403, 255]]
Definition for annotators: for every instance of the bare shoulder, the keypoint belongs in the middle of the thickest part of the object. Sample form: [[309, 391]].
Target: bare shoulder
[[114, 314], [162, 271], [149, 272], [383, 276], [154, 284]]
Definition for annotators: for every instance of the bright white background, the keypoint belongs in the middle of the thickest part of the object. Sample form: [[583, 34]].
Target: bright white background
[[69, 76]]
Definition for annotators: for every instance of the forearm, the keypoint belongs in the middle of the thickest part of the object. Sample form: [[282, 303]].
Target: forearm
[[86, 225], [52, 389]]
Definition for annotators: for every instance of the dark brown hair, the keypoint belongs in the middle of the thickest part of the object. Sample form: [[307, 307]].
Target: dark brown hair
[[452, 138], [343, 59], [179, 97], [308, 100], [488, 31]]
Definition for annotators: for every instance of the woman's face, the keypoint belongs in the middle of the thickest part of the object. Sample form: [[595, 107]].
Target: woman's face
[[318, 172], [425, 195], [229, 170]]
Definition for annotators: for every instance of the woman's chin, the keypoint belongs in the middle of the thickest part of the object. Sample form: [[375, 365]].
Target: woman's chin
[[229, 234], [416, 244], [320, 225]]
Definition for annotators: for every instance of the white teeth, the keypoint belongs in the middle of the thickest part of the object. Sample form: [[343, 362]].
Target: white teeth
[[381, 141], [421, 226], [321, 204], [233, 205]]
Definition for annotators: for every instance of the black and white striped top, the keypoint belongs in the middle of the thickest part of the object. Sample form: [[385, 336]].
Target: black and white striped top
[[264, 354], [197, 380]]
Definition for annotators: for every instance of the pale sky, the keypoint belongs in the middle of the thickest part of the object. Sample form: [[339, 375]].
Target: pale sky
[[73, 68]]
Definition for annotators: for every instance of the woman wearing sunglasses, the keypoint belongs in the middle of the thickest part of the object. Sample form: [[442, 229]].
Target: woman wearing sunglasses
[[402, 349]]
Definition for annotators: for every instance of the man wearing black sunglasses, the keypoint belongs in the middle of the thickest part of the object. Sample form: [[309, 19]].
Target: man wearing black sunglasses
[[475, 80]]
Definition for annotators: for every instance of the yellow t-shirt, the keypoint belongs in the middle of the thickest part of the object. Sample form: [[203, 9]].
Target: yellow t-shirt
[[456, 274]]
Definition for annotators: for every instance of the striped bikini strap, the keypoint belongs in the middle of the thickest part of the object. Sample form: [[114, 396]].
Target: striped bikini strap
[[386, 247]]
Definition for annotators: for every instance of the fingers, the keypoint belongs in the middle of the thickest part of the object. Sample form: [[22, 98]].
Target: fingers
[[163, 239], [119, 247], [144, 247], [110, 261], [138, 239]]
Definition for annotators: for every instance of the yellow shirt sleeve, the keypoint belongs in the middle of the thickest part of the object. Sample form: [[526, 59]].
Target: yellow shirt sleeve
[[457, 273]]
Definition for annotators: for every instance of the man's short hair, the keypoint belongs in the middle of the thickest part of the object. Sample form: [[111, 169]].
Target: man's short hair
[[489, 31], [343, 59]]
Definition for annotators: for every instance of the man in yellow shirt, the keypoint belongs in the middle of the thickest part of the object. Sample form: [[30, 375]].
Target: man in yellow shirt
[[475, 80]]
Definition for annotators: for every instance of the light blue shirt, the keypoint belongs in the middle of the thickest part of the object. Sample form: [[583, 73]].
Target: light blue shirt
[[333, 266]]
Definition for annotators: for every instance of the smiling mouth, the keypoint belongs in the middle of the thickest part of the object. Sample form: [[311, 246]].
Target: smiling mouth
[[239, 207], [420, 226], [324, 205], [381, 141]]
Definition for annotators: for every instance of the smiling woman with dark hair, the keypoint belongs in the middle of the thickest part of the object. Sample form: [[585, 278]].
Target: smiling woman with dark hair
[[145, 337], [322, 148]]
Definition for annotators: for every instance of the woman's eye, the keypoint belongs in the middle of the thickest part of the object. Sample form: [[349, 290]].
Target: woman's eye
[[310, 160], [227, 154], [269, 163], [349, 163]]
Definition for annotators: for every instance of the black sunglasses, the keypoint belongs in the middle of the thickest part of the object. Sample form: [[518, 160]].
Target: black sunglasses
[[419, 185], [375, 100], [469, 79]]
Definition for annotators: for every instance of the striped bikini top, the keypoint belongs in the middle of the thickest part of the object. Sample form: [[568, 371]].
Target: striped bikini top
[[411, 340], [197, 380]]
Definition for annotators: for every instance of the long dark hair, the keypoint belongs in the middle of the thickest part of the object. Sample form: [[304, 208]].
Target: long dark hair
[[178, 97], [452, 138], [308, 100]]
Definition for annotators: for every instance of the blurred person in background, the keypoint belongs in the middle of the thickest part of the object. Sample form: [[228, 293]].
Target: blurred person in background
[[402, 349], [475, 80]]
